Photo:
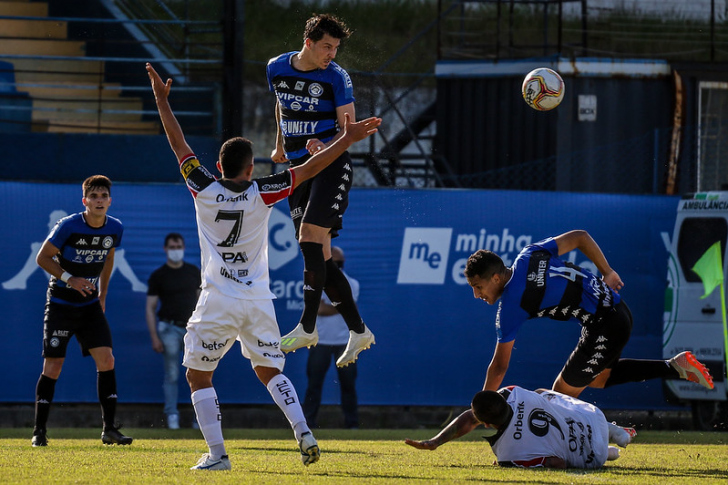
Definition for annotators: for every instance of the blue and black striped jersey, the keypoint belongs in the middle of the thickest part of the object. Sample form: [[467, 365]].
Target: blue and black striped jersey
[[543, 285], [82, 252], [308, 101]]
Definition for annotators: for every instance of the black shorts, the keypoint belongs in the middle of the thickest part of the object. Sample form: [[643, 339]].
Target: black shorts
[[599, 347], [88, 323], [322, 200]]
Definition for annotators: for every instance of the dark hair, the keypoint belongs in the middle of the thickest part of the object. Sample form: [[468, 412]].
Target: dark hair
[[235, 156], [485, 264], [101, 181], [321, 24], [174, 236], [490, 407]]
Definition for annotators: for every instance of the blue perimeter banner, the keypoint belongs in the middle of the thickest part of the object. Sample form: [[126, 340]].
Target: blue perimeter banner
[[407, 248]]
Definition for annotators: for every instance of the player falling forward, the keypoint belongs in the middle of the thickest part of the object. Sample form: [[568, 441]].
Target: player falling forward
[[236, 302], [540, 284]]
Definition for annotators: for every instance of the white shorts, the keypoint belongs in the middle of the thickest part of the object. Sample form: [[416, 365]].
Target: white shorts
[[218, 321]]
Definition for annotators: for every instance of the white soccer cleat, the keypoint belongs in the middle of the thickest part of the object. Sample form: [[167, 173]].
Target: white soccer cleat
[[310, 452], [612, 453], [207, 463], [690, 368], [357, 343], [621, 436], [298, 338]]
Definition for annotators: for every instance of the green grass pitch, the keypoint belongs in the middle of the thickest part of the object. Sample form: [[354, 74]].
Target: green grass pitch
[[348, 456]]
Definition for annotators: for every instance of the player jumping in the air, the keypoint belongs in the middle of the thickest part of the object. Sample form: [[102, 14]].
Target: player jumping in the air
[[313, 95]]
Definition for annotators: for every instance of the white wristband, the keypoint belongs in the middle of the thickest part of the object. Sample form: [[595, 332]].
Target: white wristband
[[66, 276]]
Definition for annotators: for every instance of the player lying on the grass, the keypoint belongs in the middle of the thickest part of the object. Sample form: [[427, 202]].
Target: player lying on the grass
[[235, 302], [540, 284], [537, 429]]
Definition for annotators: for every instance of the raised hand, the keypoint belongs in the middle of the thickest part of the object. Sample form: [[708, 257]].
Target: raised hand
[[160, 88], [361, 129]]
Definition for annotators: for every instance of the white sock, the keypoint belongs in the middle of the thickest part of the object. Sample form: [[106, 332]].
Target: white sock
[[284, 394], [209, 418], [612, 453]]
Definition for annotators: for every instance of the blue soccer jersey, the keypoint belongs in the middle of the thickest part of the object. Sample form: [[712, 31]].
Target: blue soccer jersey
[[308, 101], [82, 252], [543, 285]]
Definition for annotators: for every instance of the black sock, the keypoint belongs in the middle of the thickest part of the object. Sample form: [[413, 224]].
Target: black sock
[[106, 387], [338, 290], [44, 391], [314, 277], [635, 370]]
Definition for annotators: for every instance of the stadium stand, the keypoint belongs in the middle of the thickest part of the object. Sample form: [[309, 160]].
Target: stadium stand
[[68, 93]]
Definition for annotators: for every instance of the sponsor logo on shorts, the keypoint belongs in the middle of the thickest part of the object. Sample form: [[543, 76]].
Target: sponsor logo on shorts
[[273, 356], [205, 358], [60, 333], [214, 345], [267, 344]]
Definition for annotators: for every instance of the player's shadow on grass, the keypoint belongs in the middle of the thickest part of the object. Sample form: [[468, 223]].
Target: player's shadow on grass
[[670, 473], [287, 449]]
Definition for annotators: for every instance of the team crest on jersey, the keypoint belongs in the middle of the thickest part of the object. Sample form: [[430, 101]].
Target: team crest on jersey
[[315, 90], [107, 242]]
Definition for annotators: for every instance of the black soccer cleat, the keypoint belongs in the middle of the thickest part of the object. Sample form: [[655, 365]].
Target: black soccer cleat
[[39, 438], [112, 436]]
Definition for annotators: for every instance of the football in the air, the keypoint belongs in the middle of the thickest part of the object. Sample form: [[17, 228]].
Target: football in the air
[[543, 89]]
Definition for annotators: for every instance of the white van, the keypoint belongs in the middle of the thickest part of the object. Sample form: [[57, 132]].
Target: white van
[[692, 323]]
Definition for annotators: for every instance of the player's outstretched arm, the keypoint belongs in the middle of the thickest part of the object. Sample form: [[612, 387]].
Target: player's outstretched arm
[[171, 127], [353, 132], [458, 427]]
